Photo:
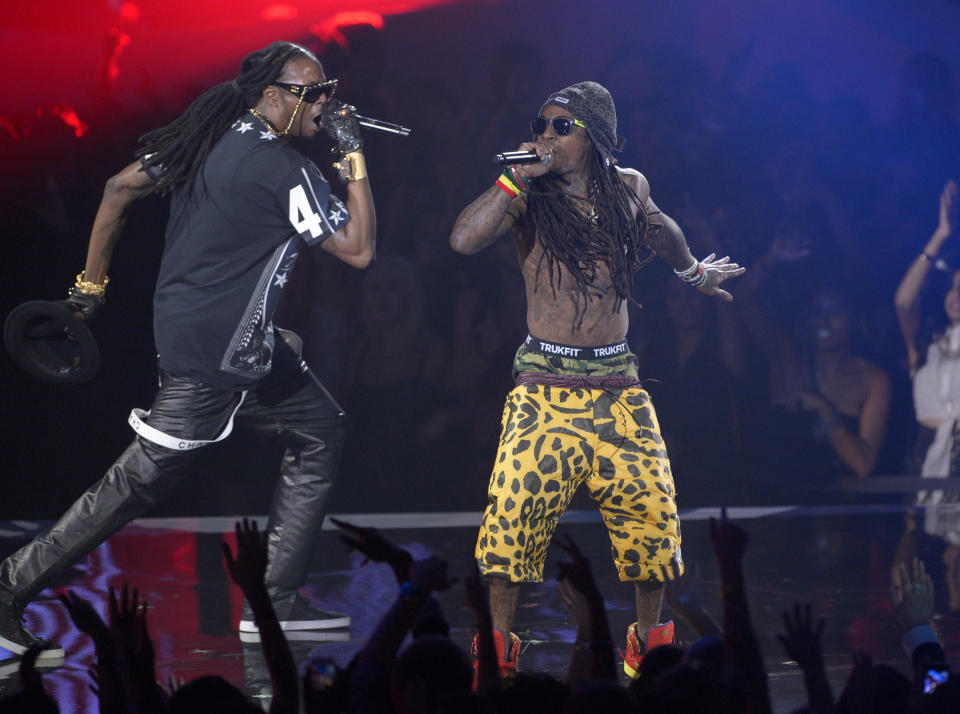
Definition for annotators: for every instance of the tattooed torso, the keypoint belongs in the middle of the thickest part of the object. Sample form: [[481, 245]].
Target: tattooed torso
[[558, 311]]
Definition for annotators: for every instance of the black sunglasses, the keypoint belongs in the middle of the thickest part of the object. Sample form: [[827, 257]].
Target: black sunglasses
[[562, 126], [311, 92]]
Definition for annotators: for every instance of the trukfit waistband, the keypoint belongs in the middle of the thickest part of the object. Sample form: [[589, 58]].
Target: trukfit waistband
[[535, 344]]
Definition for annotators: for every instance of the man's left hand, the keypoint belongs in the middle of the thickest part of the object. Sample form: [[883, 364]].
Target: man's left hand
[[716, 271], [340, 122]]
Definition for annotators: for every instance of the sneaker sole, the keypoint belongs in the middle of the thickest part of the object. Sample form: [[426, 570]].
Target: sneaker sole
[[302, 636], [333, 623], [55, 652]]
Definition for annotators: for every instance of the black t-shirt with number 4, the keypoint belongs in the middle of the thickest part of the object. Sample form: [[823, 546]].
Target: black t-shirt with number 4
[[229, 253]]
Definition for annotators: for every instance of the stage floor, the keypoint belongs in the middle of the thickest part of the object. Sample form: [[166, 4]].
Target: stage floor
[[836, 558]]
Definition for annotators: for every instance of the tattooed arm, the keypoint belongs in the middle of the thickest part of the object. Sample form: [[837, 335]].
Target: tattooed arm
[[492, 215], [666, 239], [663, 235]]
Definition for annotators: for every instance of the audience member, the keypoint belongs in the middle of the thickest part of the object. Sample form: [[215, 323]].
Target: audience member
[[934, 360]]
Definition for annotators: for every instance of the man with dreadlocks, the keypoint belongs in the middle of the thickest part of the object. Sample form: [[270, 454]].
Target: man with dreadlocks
[[578, 414], [244, 204]]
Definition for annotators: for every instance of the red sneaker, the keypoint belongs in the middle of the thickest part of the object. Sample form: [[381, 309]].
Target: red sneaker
[[507, 658], [656, 636]]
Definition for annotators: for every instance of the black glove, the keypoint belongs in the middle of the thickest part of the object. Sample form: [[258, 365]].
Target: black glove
[[85, 303], [340, 122]]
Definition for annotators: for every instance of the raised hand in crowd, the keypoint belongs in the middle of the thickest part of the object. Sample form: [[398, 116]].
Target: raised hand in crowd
[[860, 694], [88, 621], [174, 683], [684, 597], [788, 248], [949, 217], [249, 567], [730, 544], [580, 594], [912, 594], [801, 640], [107, 681], [907, 294], [370, 672], [784, 249], [128, 625], [247, 570], [375, 547], [426, 577], [579, 609]]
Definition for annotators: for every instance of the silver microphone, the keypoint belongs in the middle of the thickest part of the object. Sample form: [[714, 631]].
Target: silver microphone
[[516, 157], [384, 126]]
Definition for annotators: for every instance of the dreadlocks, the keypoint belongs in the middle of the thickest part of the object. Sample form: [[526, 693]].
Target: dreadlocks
[[182, 146], [582, 233]]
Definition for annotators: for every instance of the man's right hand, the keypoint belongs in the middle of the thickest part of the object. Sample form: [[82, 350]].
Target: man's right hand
[[87, 306], [531, 171]]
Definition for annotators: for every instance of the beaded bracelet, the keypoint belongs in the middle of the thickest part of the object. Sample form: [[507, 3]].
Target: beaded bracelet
[[695, 275], [88, 288], [689, 271]]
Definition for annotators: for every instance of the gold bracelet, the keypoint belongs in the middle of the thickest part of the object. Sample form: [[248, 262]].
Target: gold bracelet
[[358, 166], [88, 288]]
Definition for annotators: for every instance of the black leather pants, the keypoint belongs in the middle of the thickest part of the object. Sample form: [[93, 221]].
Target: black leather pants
[[290, 404]]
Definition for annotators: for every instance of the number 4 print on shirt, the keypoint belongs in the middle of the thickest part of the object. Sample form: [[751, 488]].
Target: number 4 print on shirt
[[302, 216]]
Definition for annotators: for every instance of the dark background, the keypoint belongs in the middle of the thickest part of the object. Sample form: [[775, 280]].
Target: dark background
[[747, 117]]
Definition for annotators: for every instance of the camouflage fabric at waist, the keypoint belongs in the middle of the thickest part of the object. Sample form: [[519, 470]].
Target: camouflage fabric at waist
[[531, 359]]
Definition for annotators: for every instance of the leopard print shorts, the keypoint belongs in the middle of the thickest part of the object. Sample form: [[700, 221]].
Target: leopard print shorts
[[552, 440]]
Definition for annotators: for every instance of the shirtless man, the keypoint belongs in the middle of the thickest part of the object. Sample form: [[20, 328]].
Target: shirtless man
[[578, 414]]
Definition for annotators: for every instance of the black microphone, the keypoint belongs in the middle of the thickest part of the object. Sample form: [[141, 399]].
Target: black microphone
[[516, 157], [384, 126]]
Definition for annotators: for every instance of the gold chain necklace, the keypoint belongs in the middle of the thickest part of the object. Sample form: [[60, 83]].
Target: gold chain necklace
[[266, 122]]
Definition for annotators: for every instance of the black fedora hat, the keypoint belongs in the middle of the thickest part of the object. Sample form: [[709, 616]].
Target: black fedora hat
[[48, 340]]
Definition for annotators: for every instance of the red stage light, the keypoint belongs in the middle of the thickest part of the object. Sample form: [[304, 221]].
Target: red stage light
[[113, 64], [69, 117], [9, 128], [329, 29], [130, 12], [279, 11]]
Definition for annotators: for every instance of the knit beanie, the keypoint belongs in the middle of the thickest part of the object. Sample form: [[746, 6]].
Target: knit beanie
[[592, 104]]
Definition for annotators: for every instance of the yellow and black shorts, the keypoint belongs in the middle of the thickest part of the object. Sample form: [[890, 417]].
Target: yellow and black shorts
[[578, 415]]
